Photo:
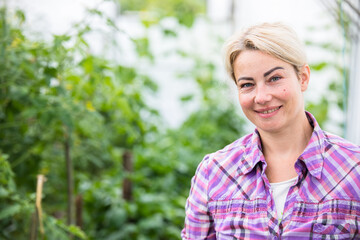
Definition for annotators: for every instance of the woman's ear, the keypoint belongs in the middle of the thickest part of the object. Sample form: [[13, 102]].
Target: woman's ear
[[304, 77]]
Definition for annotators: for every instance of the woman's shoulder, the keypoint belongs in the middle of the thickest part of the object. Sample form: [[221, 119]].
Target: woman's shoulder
[[341, 143], [341, 153]]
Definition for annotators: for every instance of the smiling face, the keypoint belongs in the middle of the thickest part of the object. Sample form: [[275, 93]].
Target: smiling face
[[270, 90]]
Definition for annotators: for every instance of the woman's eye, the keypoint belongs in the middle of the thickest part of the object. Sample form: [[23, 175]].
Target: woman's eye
[[275, 78], [246, 85]]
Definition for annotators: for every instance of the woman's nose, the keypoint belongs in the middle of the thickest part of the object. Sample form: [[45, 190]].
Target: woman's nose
[[263, 95]]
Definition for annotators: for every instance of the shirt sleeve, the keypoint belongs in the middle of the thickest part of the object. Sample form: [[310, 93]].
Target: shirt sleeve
[[198, 221]]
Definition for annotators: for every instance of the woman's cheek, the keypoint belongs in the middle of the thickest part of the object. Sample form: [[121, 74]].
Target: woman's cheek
[[245, 101], [285, 92]]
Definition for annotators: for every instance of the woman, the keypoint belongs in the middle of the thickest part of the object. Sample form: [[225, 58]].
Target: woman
[[288, 179]]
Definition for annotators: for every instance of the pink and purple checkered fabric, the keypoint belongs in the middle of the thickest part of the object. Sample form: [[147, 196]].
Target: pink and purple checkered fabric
[[230, 196]]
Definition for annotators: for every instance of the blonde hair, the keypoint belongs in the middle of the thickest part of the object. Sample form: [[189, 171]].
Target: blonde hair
[[275, 39]]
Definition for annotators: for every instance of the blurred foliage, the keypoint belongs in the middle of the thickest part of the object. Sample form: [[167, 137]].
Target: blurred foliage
[[47, 97], [335, 93], [152, 11], [58, 90]]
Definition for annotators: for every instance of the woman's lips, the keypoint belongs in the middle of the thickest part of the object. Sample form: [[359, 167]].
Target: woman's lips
[[268, 112]]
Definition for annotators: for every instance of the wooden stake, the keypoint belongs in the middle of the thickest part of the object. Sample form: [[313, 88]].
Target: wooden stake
[[78, 208], [128, 168], [37, 215], [34, 225], [70, 182], [39, 188]]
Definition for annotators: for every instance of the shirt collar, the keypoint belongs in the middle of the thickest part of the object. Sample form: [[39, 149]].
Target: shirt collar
[[253, 153], [312, 155]]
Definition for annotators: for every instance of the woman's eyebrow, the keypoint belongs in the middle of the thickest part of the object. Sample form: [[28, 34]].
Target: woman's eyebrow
[[271, 70], [265, 74], [245, 78]]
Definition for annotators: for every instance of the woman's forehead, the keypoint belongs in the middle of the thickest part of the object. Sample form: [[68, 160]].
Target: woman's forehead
[[251, 60]]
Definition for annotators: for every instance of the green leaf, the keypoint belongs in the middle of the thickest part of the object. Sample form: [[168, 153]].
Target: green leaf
[[319, 66], [20, 15], [10, 211], [77, 232], [6, 172], [187, 98]]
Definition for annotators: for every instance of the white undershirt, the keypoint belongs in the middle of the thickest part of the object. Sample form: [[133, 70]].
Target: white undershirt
[[280, 191]]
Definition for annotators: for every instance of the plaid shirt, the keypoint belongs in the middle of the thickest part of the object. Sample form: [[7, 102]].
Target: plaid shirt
[[231, 198]]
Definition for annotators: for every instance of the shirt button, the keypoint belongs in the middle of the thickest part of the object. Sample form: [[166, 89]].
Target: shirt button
[[275, 238]]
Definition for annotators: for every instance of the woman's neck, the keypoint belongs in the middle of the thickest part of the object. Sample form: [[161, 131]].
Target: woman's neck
[[281, 149]]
